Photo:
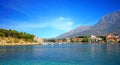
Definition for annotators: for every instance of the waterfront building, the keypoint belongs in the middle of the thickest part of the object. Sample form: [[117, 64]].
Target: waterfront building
[[75, 39], [39, 40], [95, 39], [68, 40], [60, 41], [111, 38]]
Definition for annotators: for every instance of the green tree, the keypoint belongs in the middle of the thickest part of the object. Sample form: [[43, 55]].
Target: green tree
[[1, 34]]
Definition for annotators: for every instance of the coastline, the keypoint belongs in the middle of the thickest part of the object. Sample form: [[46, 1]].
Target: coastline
[[10, 41], [18, 44]]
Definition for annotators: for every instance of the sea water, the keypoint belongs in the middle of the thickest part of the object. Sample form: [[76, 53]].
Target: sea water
[[61, 54]]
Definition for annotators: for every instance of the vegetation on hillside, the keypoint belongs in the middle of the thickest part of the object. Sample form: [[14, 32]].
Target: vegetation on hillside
[[16, 35]]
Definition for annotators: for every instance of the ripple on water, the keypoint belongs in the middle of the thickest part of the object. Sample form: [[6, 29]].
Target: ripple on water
[[61, 54]]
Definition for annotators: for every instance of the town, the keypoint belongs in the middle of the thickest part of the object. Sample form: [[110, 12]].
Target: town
[[110, 38]]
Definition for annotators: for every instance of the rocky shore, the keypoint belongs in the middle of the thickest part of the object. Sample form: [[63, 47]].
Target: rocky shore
[[15, 44], [9, 41]]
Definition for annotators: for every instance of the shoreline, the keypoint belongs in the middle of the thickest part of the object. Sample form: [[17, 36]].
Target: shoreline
[[27, 44], [18, 44]]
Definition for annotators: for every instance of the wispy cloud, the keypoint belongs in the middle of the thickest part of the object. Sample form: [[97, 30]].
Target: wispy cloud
[[62, 23], [59, 23]]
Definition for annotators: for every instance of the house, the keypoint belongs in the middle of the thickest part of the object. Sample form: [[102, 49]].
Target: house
[[75, 39], [68, 40], [95, 39], [111, 38], [60, 41]]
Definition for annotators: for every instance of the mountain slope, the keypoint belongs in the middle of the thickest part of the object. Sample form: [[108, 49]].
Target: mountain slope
[[75, 31], [109, 23]]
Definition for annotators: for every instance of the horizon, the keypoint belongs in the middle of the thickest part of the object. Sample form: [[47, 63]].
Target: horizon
[[50, 18]]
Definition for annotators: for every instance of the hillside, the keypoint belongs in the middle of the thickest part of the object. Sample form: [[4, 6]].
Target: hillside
[[75, 31], [13, 37]]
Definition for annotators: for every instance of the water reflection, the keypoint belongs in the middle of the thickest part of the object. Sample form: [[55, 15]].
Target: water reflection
[[15, 52]]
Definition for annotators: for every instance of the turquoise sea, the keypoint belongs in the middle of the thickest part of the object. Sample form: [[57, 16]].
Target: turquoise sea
[[61, 54]]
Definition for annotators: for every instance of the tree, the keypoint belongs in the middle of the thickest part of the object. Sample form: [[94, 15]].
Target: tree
[[16, 34], [1, 34]]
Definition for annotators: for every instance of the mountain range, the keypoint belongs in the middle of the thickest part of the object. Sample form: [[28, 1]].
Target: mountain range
[[109, 23]]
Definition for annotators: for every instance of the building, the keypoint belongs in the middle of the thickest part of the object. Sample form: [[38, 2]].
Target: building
[[95, 39], [59, 40], [77, 39], [39, 40], [68, 40], [111, 38]]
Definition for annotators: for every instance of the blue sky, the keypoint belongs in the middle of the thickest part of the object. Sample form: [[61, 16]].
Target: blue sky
[[50, 18]]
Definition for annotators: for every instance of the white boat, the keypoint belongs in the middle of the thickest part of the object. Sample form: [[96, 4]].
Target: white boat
[[60, 43], [45, 43]]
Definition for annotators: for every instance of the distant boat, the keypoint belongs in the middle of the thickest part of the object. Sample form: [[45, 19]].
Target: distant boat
[[60, 43], [45, 43], [52, 44]]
